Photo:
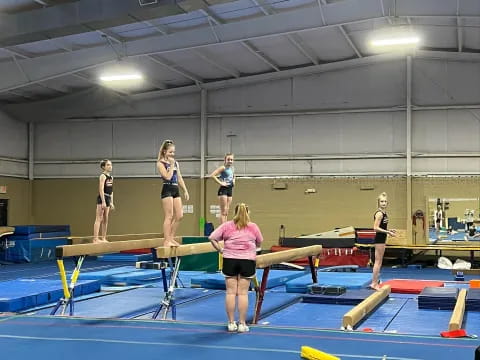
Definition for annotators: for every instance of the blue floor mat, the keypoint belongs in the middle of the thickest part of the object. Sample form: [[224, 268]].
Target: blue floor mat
[[212, 309], [217, 280], [352, 280], [124, 276], [412, 320], [131, 303], [22, 294], [308, 315]]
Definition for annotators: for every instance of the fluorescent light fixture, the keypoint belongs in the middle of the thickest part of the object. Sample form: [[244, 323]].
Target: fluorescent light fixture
[[395, 41], [121, 77]]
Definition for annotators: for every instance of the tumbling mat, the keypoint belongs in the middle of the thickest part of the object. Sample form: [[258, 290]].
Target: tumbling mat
[[411, 286], [349, 280], [16, 295], [351, 297], [124, 275], [131, 303], [125, 257], [31, 229], [217, 280], [439, 298], [473, 300]]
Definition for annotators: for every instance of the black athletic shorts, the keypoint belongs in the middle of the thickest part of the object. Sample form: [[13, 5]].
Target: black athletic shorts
[[225, 191], [169, 190], [244, 268], [380, 238], [108, 200]]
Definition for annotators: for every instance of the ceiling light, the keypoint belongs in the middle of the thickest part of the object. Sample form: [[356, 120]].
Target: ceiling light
[[121, 77], [395, 41]]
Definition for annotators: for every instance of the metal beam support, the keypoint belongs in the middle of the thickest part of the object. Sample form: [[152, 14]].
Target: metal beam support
[[217, 64], [350, 41], [203, 153], [409, 209], [31, 150], [459, 29]]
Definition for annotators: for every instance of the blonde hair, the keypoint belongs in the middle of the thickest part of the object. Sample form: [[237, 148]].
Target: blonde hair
[[225, 157], [241, 217], [383, 195], [163, 149]]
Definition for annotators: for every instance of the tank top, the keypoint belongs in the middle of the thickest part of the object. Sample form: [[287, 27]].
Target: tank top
[[227, 176], [383, 225], [108, 184], [174, 178]]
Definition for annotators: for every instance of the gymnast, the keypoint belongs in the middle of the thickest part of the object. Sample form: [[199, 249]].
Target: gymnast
[[171, 201], [104, 201]]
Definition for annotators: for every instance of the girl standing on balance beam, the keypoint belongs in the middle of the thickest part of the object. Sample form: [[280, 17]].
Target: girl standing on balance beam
[[171, 200], [104, 201], [241, 238], [225, 177], [380, 226]]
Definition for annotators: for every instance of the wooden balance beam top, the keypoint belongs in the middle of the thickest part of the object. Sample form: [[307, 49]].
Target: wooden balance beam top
[[6, 230], [353, 317], [263, 261], [457, 316], [106, 247], [183, 250], [266, 260]]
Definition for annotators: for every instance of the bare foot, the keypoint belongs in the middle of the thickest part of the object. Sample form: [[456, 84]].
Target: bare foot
[[375, 287], [170, 243]]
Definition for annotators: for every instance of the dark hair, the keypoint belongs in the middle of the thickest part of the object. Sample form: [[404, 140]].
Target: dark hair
[[103, 163]]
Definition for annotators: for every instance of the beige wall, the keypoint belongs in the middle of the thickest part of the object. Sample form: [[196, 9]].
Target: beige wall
[[19, 195], [338, 202]]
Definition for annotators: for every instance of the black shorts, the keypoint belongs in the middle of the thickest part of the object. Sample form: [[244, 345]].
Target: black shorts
[[382, 239], [225, 191], [244, 268], [169, 190], [108, 200]]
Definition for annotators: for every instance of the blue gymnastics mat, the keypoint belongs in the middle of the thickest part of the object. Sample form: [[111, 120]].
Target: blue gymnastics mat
[[36, 236], [350, 280], [131, 303], [22, 294], [439, 298], [217, 280], [32, 229], [351, 297], [211, 309], [124, 275], [125, 257]]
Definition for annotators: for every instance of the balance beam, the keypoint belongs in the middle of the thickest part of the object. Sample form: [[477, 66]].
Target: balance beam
[[183, 250], [457, 316], [266, 260], [355, 315], [75, 240], [269, 259], [6, 230], [105, 248]]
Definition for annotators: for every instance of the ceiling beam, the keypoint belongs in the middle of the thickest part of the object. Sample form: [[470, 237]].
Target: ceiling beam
[[71, 18]]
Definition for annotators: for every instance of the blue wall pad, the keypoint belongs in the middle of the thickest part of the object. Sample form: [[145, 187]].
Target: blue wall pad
[[131, 303], [22, 294], [438, 298], [351, 297], [217, 280], [350, 280], [212, 309], [39, 235], [411, 320], [33, 250], [125, 257], [30, 229]]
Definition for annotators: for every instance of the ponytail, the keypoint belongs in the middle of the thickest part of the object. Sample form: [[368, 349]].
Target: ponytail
[[241, 217]]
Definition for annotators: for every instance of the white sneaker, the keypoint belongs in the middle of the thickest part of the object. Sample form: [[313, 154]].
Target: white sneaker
[[243, 328], [232, 326]]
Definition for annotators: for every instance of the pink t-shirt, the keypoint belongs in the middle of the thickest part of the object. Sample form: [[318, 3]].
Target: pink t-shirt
[[239, 244]]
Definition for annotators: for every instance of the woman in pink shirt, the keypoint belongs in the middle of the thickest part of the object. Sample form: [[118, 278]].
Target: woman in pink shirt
[[241, 238]]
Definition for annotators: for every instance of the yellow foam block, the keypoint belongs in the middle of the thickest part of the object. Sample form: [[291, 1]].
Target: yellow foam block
[[310, 353]]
